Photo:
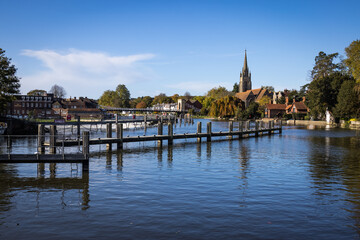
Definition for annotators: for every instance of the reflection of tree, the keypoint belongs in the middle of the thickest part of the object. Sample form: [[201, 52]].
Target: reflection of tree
[[5, 196], [335, 161]]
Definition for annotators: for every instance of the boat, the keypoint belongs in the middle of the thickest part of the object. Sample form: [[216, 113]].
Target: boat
[[3, 127]]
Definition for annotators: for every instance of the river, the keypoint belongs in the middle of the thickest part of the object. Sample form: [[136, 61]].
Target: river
[[301, 184]]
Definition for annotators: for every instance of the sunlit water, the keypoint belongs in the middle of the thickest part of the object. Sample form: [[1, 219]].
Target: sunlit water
[[302, 184]]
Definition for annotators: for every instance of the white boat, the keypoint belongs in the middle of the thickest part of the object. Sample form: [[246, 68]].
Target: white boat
[[3, 127]]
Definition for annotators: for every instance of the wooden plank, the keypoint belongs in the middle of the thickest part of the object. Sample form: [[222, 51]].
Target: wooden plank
[[42, 158]]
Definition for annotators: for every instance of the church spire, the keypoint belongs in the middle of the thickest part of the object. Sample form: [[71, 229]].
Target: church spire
[[245, 67]]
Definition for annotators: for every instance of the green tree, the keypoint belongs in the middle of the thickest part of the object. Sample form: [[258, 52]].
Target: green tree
[[123, 96], [161, 98], [348, 104], [36, 92], [225, 107], [324, 65], [353, 59], [269, 88], [9, 82], [262, 104], [218, 92], [235, 88], [108, 98], [175, 97]]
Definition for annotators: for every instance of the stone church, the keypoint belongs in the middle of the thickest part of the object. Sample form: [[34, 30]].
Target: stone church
[[246, 94]]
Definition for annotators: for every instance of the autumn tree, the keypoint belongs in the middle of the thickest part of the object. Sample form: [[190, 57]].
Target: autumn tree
[[225, 107], [141, 104], [161, 98], [9, 82], [218, 92]]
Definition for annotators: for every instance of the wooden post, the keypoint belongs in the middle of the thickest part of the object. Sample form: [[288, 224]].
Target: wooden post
[[86, 150], [52, 149], [78, 126], [145, 119], [9, 142], [160, 132], [117, 118], [108, 135], [170, 134], [248, 125], [119, 135], [231, 127], [256, 128], [241, 126], [199, 131], [41, 138], [208, 131]]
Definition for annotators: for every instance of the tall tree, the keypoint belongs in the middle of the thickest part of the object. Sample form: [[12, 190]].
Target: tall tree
[[353, 59], [324, 65], [235, 88], [58, 91], [123, 96], [348, 104], [9, 82], [108, 98]]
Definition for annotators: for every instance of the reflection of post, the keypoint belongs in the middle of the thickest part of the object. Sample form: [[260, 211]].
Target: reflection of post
[[208, 150], [52, 169], [280, 131], [119, 157], [256, 128], [85, 193], [52, 149], [198, 150], [41, 169], [160, 132], [160, 156], [108, 135], [199, 131], [41, 138], [108, 160], [170, 156]]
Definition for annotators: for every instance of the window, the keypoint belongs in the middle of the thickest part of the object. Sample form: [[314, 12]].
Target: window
[[31, 105], [27, 104], [40, 105], [23, 104], [36, 104]]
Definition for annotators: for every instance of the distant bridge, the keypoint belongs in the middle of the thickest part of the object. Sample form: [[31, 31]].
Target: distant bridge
[[141, 110]]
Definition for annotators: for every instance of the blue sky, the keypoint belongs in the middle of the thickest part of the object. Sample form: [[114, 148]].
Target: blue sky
[[170, 46]]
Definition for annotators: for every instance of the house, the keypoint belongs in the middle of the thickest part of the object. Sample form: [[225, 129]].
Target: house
[[275, 110], [73, 107], [297, 107], [279, 110], [36, 106], [186, 105]]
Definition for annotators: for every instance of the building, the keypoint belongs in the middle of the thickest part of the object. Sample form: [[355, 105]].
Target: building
[[77, 107], [279, 110], [35, 106], [296, 107], [186, 105], [245, 77]]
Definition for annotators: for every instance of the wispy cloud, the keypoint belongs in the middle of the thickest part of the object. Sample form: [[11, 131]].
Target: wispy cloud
[[84, 73]]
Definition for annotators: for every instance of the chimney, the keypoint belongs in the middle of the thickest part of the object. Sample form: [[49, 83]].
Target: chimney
[[286, 101], [303, 99], [293, 99]]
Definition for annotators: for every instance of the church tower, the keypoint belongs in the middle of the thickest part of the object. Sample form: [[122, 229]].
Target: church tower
[[245, 77]]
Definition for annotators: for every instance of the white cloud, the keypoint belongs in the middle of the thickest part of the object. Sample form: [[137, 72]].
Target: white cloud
[[84, 73]]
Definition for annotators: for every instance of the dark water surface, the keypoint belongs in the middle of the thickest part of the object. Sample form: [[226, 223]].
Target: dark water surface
[[303, 184]]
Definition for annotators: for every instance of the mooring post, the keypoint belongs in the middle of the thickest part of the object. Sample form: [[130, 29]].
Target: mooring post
[[231, 127], [52, 149], [117, 118], [41, 138], [145, 119], [199, 131], [78, 126], [160, 132], [248, 125], [86, 150], [119, 135], [9, 142], [280, 127], [108, 135], [208, 131], [170, 134], [241, 125], [256, 128]]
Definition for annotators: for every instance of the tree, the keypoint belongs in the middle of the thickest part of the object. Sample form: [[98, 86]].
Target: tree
[[161, 98], [108, 98], [353, 59], [123, 96], [324, 65], [175, 97], [187, 95], [269, 88], [348, 104], [262, 104], [36, 92], [141, 104], [226, 107], [218, 92], [235, 88], [58, 91], [9, 82]]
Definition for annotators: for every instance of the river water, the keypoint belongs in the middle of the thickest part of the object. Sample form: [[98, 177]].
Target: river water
[[301, 184]]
